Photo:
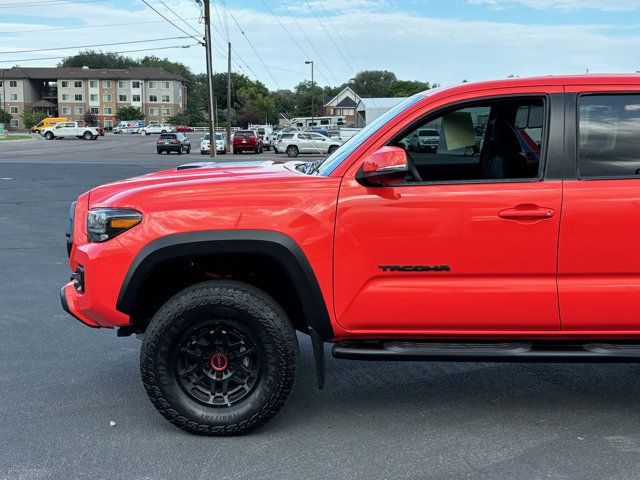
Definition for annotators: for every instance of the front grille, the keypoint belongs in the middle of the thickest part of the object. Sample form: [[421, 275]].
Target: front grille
[[69, 229]]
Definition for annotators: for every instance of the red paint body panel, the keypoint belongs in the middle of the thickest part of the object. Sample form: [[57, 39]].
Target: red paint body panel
[[574, 274]]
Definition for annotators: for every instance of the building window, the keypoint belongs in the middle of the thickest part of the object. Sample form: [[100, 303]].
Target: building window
[[64, 84], [122, 84], [13, 96], [108, 123], [14, 110], [78, 97], [93, 83], [153, 98], [93, 97], [135, 98], [79, 110], [153, 112], [15, 122], [166, 111], [165, 98], [1, 83], [94, 110], [135, 84], [165, 85], [106, 83], [66, 111], [107, 97], [65, 97], [152, 84], [122, 98], [13, 83], [107, 110], [77, 84]]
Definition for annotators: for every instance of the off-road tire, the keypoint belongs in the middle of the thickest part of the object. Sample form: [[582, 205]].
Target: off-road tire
[[219, 301]]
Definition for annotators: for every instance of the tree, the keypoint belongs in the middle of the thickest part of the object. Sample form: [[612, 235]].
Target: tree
[[180, 119], [30, 119], [5, 117], [129, 113], [304, 96], [248, 118], [90, 119], [98, 59], [373, 83]]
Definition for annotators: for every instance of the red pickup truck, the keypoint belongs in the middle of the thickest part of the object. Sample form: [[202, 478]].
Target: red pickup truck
[[514, 239]]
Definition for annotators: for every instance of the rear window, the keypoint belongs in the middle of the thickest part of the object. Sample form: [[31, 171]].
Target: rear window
[[168, 136], [609, 136], [244, 134], [428, 133]]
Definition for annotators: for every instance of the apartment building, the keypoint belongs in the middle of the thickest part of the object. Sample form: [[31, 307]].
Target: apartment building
[[71, 92]]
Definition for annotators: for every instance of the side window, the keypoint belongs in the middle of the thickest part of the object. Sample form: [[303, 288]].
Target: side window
[[492, 140], [609, 136]]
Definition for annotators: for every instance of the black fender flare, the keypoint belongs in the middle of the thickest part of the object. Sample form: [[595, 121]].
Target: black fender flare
[[274, 245]]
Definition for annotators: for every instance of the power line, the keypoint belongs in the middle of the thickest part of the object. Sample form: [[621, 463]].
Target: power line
[[182, 30], [329, 35], [251, 44], [309, 41], [22, 60], [180, 18], [293, 39], [46, 4], [340, 37], [87, 26], [91, 46]]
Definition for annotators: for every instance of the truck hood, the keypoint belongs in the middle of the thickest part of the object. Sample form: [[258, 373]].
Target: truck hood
[[189, 176]]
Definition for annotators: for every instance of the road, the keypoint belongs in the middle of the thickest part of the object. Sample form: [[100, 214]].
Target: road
[[61, 383]]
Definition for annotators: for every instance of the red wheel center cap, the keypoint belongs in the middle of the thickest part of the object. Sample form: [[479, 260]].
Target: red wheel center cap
[[219, 362]]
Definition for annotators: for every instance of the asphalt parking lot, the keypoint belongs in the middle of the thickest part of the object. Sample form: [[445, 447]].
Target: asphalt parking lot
[[61, 383]]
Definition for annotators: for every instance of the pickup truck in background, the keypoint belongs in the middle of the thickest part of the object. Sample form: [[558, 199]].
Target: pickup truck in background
[[70, 129]]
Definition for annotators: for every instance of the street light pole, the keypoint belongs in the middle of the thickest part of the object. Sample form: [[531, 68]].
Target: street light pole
[[310, 62]]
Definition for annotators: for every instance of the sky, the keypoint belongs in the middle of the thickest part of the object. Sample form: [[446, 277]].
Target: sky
[[435, 41]]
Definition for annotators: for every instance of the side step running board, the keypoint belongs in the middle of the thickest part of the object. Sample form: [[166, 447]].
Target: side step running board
[[518, 351]]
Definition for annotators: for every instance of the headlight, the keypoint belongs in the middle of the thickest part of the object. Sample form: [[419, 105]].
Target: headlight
[[106, 223]]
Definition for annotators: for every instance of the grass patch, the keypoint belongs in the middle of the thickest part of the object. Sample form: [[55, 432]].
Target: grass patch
[[14, 137]]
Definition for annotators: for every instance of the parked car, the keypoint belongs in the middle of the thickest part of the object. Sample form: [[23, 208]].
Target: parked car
[[128, 127], [265, 132], [294, 143], [528, 254], [49, 122], [173, 142], [157, 128], [247, 141], [184, 128], [428, 140], [70, 129], [221, 146]]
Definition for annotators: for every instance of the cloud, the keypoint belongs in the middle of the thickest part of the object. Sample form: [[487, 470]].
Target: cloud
[[564, 5], [414, 46]]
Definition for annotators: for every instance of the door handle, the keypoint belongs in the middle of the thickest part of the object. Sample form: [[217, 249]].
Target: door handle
[[526, 212]]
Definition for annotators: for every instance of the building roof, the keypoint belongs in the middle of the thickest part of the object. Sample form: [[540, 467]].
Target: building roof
[[380, 102], [347, 90], [346, 102], [43, 104], [55, 73]]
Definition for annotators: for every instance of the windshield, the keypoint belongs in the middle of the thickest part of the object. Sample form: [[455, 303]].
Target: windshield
[[219, 136], [330, 163]]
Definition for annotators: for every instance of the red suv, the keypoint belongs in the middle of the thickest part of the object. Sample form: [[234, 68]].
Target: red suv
[[513, 240], [247, 141]]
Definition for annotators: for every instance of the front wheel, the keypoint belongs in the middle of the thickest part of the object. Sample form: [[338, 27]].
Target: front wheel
[[219, 358], [49, 136], [143, 132], [332, 149]]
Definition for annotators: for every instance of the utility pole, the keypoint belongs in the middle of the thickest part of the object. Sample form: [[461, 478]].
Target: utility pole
[[229, 99], [212, 110], [307, 62]]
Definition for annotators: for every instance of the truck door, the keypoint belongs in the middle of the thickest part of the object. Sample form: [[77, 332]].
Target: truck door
[[468, 241], [599, 257]]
